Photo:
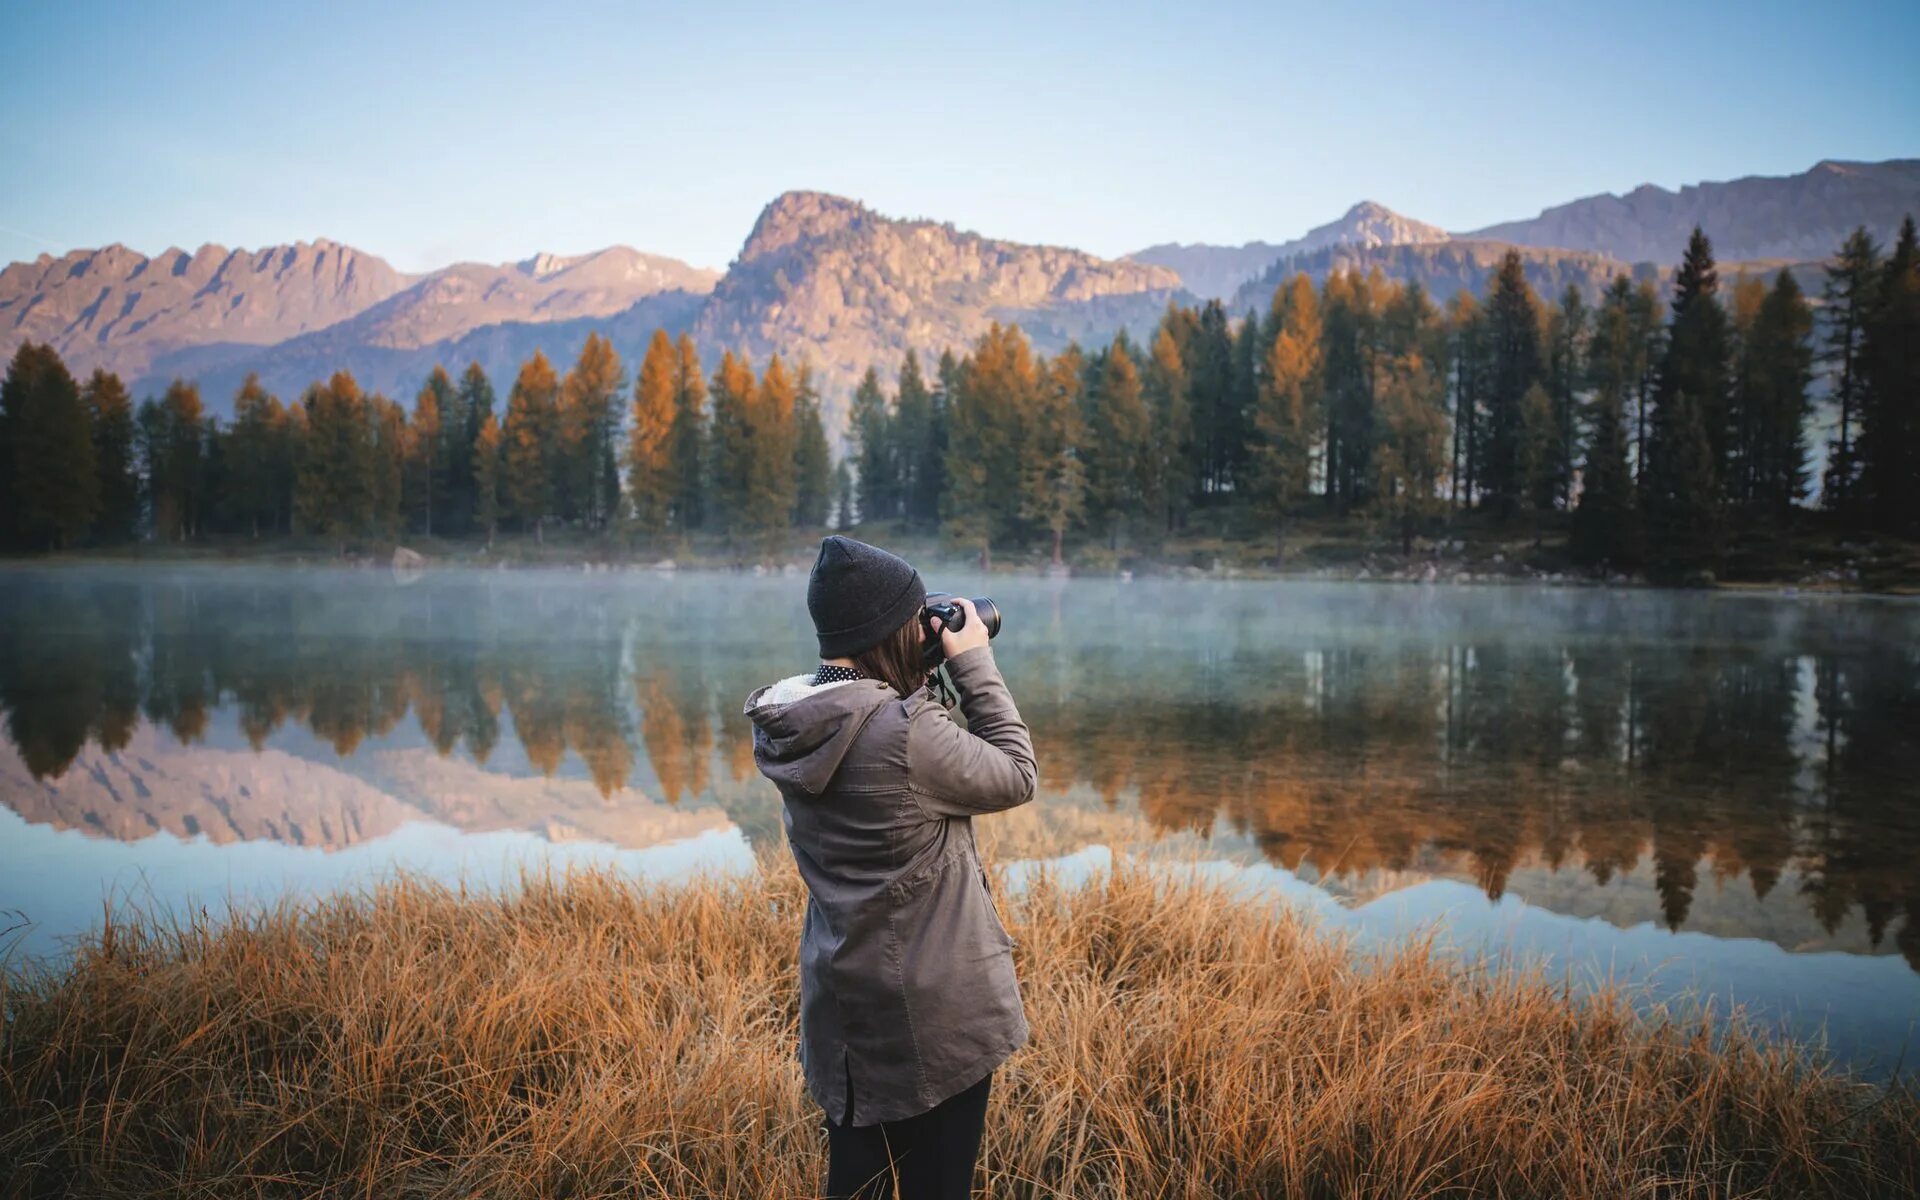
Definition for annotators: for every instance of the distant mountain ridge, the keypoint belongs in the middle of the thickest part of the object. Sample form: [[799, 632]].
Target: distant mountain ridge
[[1800, 217], [829, 280], [1217, 272]]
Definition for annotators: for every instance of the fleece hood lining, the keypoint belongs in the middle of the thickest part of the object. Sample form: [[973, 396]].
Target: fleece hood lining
[[796, 687]]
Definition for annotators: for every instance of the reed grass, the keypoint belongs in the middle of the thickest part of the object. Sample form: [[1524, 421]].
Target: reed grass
[[584, 1034]]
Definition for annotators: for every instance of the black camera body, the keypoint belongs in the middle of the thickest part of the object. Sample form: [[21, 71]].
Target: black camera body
[[953, 616]]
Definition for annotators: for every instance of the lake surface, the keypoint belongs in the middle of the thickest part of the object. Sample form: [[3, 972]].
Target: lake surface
[[1699, 794]]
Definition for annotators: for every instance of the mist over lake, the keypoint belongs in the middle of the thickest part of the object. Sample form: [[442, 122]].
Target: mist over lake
[[1691, 791]]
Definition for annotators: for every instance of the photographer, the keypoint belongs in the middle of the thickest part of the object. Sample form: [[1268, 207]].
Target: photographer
[[908, 999]]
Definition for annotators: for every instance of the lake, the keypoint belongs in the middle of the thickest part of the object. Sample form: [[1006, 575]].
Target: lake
[[1709, 795]]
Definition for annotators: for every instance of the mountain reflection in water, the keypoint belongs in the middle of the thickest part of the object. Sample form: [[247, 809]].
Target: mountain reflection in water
[[1703, 752]]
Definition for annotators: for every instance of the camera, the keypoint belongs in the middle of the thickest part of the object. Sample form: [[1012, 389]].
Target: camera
[[953, 616]]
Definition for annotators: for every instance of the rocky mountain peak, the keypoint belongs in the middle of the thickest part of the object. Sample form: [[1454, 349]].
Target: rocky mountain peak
[[798, 215]]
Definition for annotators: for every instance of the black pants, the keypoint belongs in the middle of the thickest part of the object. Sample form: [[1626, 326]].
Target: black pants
[[931, 1153]]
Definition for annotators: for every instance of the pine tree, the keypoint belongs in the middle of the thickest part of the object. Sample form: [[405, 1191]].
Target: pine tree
[[1686, 445], [1170, 486], [688, 440], [1288, 411], [586, 481], [1349, 320], [998, 385], [1650, 330], [1513, 366], [812, 470], [651, 480], [474, 402], [335, 494], [254, 479], [1739, 478], [54, 491], [731, 442], [1890, 368], [1118, 450], [772, 484], [1409, 459], [1052, 478], [871, 428], [529, 435], [1207, 352], [1566, 352], [429, 465], [1774, 406], [1852, 284], [391, 447], [489, 464], [174, 448], [913, 438], [110, 414], [1604, 525]]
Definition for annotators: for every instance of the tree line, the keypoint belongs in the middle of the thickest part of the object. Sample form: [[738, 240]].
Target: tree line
[[1656, 426]]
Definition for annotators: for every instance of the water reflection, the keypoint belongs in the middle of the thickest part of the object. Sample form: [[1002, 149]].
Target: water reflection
[[1356, 736]]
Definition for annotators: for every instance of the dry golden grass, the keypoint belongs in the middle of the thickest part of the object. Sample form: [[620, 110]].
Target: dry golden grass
[[594, 1036]]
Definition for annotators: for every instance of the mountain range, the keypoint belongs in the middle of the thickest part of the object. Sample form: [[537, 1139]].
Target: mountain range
[[829, 280]]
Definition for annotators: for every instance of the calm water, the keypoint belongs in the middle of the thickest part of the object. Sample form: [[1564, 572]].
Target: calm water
[[1713, 794]]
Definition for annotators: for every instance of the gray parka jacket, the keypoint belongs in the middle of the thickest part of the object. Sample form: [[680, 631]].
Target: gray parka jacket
[[906, 973]]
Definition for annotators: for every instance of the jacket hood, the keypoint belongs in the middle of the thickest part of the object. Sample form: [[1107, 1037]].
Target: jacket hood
[[802, 730]]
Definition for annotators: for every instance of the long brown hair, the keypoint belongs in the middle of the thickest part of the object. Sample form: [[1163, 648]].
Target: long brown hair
[[896, 659]]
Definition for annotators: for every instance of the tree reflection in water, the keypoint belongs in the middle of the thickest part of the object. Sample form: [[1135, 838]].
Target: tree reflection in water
[[1353, 729]]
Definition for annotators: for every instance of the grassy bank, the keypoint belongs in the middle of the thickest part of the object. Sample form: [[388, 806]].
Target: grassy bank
[[591, 1036], [1805, 553]]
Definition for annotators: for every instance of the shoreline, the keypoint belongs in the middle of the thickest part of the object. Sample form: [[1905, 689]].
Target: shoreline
[[589, 1034]]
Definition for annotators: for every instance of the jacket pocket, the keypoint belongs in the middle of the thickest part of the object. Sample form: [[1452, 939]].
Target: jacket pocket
[[993, 910]]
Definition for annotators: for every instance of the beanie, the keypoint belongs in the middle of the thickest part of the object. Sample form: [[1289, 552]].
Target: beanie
[[858, 594]]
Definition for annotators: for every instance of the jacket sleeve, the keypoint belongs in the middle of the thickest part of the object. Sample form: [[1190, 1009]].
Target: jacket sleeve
[[985, 767]]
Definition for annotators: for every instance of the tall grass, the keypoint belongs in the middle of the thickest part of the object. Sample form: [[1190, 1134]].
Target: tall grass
[[586, 1035]]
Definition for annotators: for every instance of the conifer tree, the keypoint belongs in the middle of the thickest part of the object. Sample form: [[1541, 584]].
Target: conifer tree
[[1514, 365], [1350, 318], [689, 437], [1686, 444], [1171, 484], [335, 495], [1650, 330], [1207, 353], [1603, 528], [1052, 478], [173, 445], [53, 489], [913, 438], [1777, 371], [732, 442], [391, 446], [1288, 409], [110, 414], [871, 428], [429, 452], [586, 480], [812, 470], [489, 464], [773, 446], [1119, 449], [1852, 283], [1409, 459], [998, 385], [1890, 417], [529, 435], [474, 402], [254, 476], [651, 480], [1566, 351]]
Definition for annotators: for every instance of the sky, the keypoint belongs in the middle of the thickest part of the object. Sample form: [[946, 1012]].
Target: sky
[[429, 134]]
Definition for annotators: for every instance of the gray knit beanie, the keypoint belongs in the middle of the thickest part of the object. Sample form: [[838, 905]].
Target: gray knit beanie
[[858, 594]]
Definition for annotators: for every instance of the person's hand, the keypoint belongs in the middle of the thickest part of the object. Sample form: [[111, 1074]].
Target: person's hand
[[973, 631]]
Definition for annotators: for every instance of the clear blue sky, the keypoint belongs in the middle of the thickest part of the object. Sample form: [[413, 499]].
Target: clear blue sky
[[491, 131]]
